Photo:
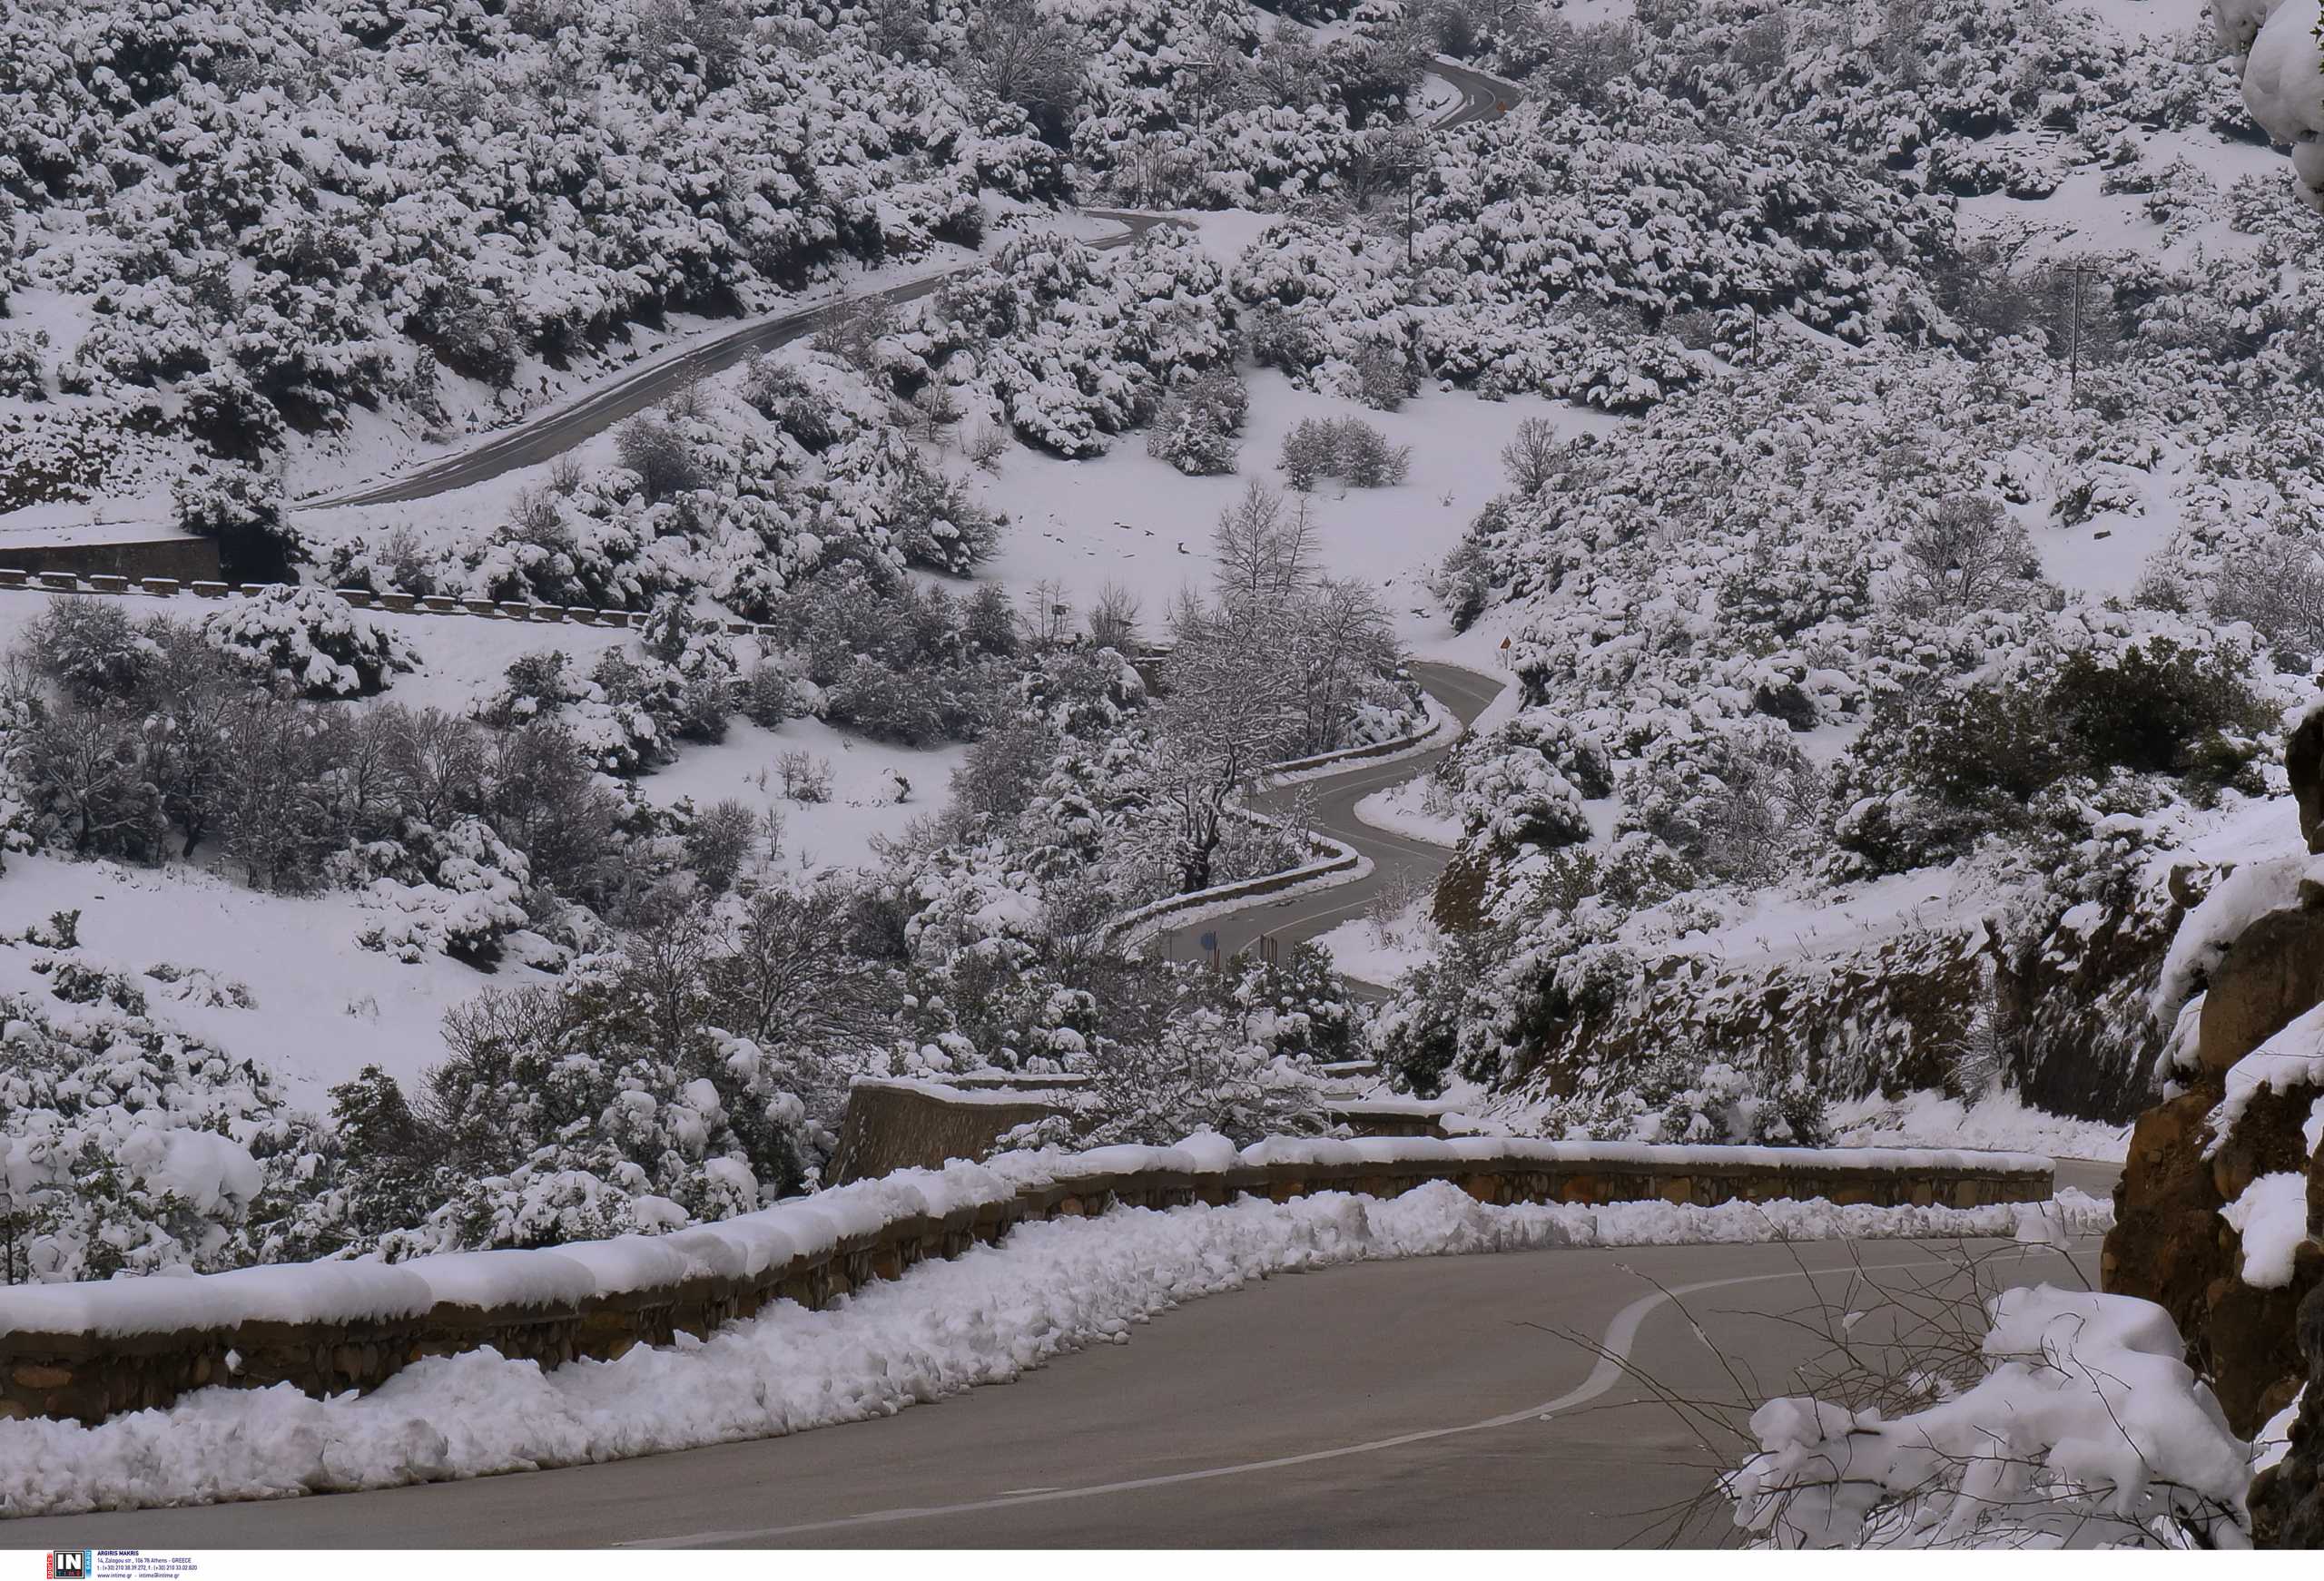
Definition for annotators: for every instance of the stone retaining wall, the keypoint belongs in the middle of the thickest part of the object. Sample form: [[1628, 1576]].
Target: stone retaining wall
[[1133, 929], [893, 1124], [183, 559], [91, 1375]]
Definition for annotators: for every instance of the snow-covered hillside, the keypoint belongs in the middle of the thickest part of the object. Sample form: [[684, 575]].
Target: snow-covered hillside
[[1896, 510]]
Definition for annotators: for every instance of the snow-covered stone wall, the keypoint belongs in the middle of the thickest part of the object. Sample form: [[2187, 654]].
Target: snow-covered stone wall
[[90, 1350]]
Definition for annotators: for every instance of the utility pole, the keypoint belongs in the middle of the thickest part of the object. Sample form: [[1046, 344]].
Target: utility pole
[[1409, 173], [1413, 169], [2074, 365]]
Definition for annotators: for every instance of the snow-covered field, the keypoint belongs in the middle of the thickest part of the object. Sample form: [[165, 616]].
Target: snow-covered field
[[322, 1005], [987, 1317], [463, 660], [1126, 517]]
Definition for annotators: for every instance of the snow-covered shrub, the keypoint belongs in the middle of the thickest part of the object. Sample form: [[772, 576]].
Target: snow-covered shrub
[[87, 779], [1938, 769], [889, 485], [309, 643], [1197, 427], [1077, 346], [720, 841], [693, 1073], [898, 660], [126, 1145], [24, 357], [660, 456], [1346, 448], [1680, 1097], [2077, 1420], [201, 986], [90, 648], [1518, 787], [2278, 587], [456, 891], [805, 778], [1199, 1073], [1737, 802], [1300, 1007], [541, 1126], [241, 509], [1965, 555], [770, 694], [227, 417]]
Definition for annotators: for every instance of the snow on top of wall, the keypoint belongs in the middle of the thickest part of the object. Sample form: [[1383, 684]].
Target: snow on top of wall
[[950, 1094], [749, 1244], [306, 1292], [1482, 1149], [2271, 1217]]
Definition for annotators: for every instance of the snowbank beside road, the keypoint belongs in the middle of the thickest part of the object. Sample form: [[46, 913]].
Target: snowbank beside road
[[987, 1317], [1406, 810]]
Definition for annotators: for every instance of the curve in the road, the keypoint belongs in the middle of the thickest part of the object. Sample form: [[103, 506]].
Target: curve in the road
[[1482, 97], [1364, 1405], [1396, 861], [1613, 1364], [550, 435]]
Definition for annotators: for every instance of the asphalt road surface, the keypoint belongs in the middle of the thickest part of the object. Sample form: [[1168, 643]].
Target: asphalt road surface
[[546, 438], [1397, 863], [549, 437], [1447, 1401], [1482, 97]]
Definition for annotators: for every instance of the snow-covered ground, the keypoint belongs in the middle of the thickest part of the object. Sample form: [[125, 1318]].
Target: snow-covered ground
[[1383, 952], [464, 659], [324, 1007], [1404, 809], [321, 1007], [987, 1317], [1126, 517]]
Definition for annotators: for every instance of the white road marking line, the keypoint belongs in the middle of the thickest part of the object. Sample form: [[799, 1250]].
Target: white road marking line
[[1620, 1335]]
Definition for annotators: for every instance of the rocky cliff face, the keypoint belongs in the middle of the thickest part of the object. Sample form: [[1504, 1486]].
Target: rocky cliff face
[[2223, 1194]]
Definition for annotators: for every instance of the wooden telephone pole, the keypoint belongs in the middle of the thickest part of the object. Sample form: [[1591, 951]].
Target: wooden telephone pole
[[2077, 271]]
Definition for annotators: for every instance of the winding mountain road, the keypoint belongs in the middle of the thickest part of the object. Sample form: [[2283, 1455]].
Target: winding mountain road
[[1444, 1402], [549, 435], [1453, 1402], [1399, 864]]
